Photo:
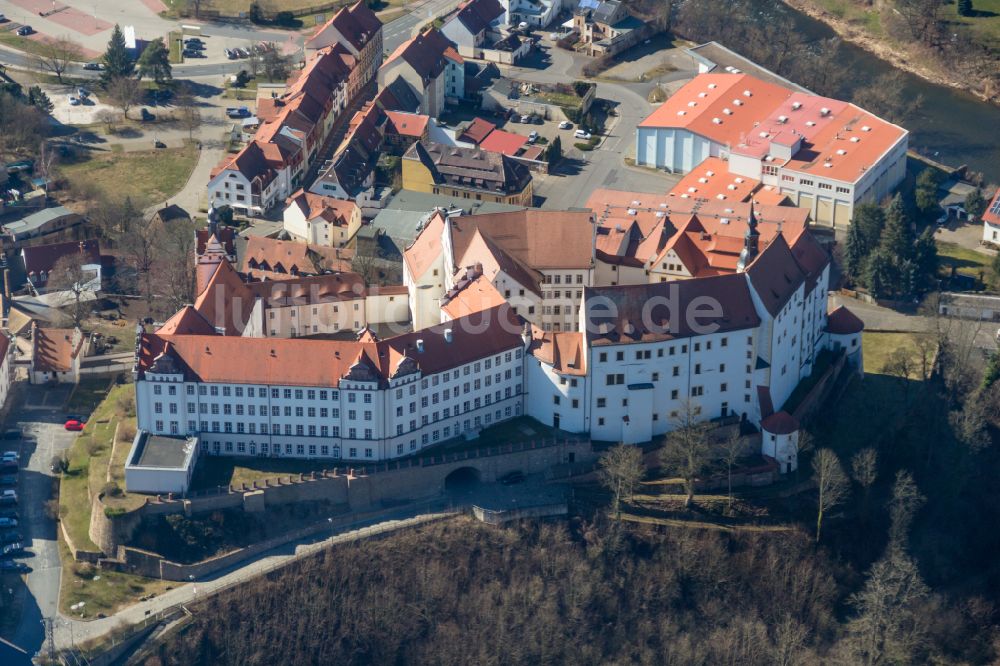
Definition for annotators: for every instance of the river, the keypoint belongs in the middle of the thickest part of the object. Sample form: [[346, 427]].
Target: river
[[949, 126]]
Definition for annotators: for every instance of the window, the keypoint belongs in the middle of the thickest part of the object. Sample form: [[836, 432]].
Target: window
[[697, 391], [614, 379]]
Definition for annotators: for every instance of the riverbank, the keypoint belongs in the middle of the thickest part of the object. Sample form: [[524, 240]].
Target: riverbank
[[899, 57]]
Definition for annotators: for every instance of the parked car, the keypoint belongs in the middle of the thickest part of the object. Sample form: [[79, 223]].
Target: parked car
[[525, 119], [238, 112], [82, 92], [241, 53], [194, 41], [75, 425], [10, 456], [8, 480], [12, 434], [565, 125], [511, 478], [191, 53], [582, 134], [8, 522], [2, 18], [25, 30], [8, 536], [11, 548], [74, 101], [8, 496], [533, 137], [94, 66], [10, 566], [231, 54]]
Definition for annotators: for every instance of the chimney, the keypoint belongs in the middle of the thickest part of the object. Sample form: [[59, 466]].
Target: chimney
[[448, 335]]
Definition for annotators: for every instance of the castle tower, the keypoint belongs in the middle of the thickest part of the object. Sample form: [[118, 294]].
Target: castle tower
[[209, 262], [751, 242]]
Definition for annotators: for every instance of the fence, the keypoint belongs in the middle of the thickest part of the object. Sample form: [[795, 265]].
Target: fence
[[494, 517]]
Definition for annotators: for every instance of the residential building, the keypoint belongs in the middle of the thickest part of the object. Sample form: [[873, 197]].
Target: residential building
[[357, 29], [40, 260], [824, 155], [607, 27], [991, 221], [320, 220], [7, 350], [430, 66], [466, 172], [56, 354], [294, 126], [46, 222], [404, 129], [536, 13], [468, 25], [271, 259]]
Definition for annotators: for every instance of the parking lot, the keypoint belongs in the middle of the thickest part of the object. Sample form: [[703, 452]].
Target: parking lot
[[39, 415]]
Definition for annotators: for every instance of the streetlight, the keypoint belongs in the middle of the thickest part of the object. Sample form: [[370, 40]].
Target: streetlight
[[194, 588]]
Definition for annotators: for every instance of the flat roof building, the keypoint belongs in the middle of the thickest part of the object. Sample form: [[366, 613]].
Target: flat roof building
[[160, 464]]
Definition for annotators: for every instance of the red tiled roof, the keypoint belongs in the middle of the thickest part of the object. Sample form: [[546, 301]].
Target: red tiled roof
[[407, 124], [55, 349], [279, 260], [335, 211], [780, 423], [992, 213], [476, 131], [499, 141], [187, 321], [39, 258], [225, 235], [565, 351], [843, 322]]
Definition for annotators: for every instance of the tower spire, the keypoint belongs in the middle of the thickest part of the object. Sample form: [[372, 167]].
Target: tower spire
[[751, 241]]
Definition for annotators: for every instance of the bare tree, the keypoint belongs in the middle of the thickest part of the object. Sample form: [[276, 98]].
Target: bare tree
[[187, 111], [831, 483], [731, 451], [124, 92], [274, 64], [175, 251], [887, 629], [803, 444], [109, 119], [903, 506], [68, 275], [46, 163], [139, 245], [56, 55], [621, 471], [687, 449], [864, 469]]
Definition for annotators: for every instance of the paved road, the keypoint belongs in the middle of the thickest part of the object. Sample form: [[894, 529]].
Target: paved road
[[40, 415], [401, 29], [604, 167]]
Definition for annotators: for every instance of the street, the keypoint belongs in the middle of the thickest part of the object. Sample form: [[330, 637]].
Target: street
[[40, 415]]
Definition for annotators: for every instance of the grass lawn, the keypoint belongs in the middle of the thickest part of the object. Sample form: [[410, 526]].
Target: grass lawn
[[985, 22], [147, 176], [102, 592], [213, 471], [566, 100], [966, 262], [21, 43], [174, 41], [87, 395], [879, 346], [89, 457], [391, 15]]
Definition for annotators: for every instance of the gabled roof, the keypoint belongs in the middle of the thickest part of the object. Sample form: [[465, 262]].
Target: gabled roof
[[622, 314], [223, 234], [42, 258], [426, 248], [251, 162], [357, 24], [564, 351], [991, 215], [337, 212], [186, 321], [407, 124], [425, 53], [476, 15], [473, 293], [775, 275], [476, 131], [55, 349], [470, 168], [278, 260], [226, 302]]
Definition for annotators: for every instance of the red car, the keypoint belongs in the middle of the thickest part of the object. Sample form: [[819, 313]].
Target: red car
[[75, 425]]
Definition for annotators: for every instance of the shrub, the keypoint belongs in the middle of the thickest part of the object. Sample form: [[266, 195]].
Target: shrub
[[84, 570], [581, 88], [285, 18], [111, 489], [93, 447], [583, 146], [125, 405], [126, 433], [113, 511]]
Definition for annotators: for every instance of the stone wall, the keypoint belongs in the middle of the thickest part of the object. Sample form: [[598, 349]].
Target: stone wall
[[361, 489]]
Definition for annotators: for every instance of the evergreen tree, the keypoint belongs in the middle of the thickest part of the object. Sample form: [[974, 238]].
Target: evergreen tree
[[975, 204], [862, 237], [155, 61], [38, 99], [879, 274], [964, 7], [926, 259], [897, 237], [926, 194], [117, 61]]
